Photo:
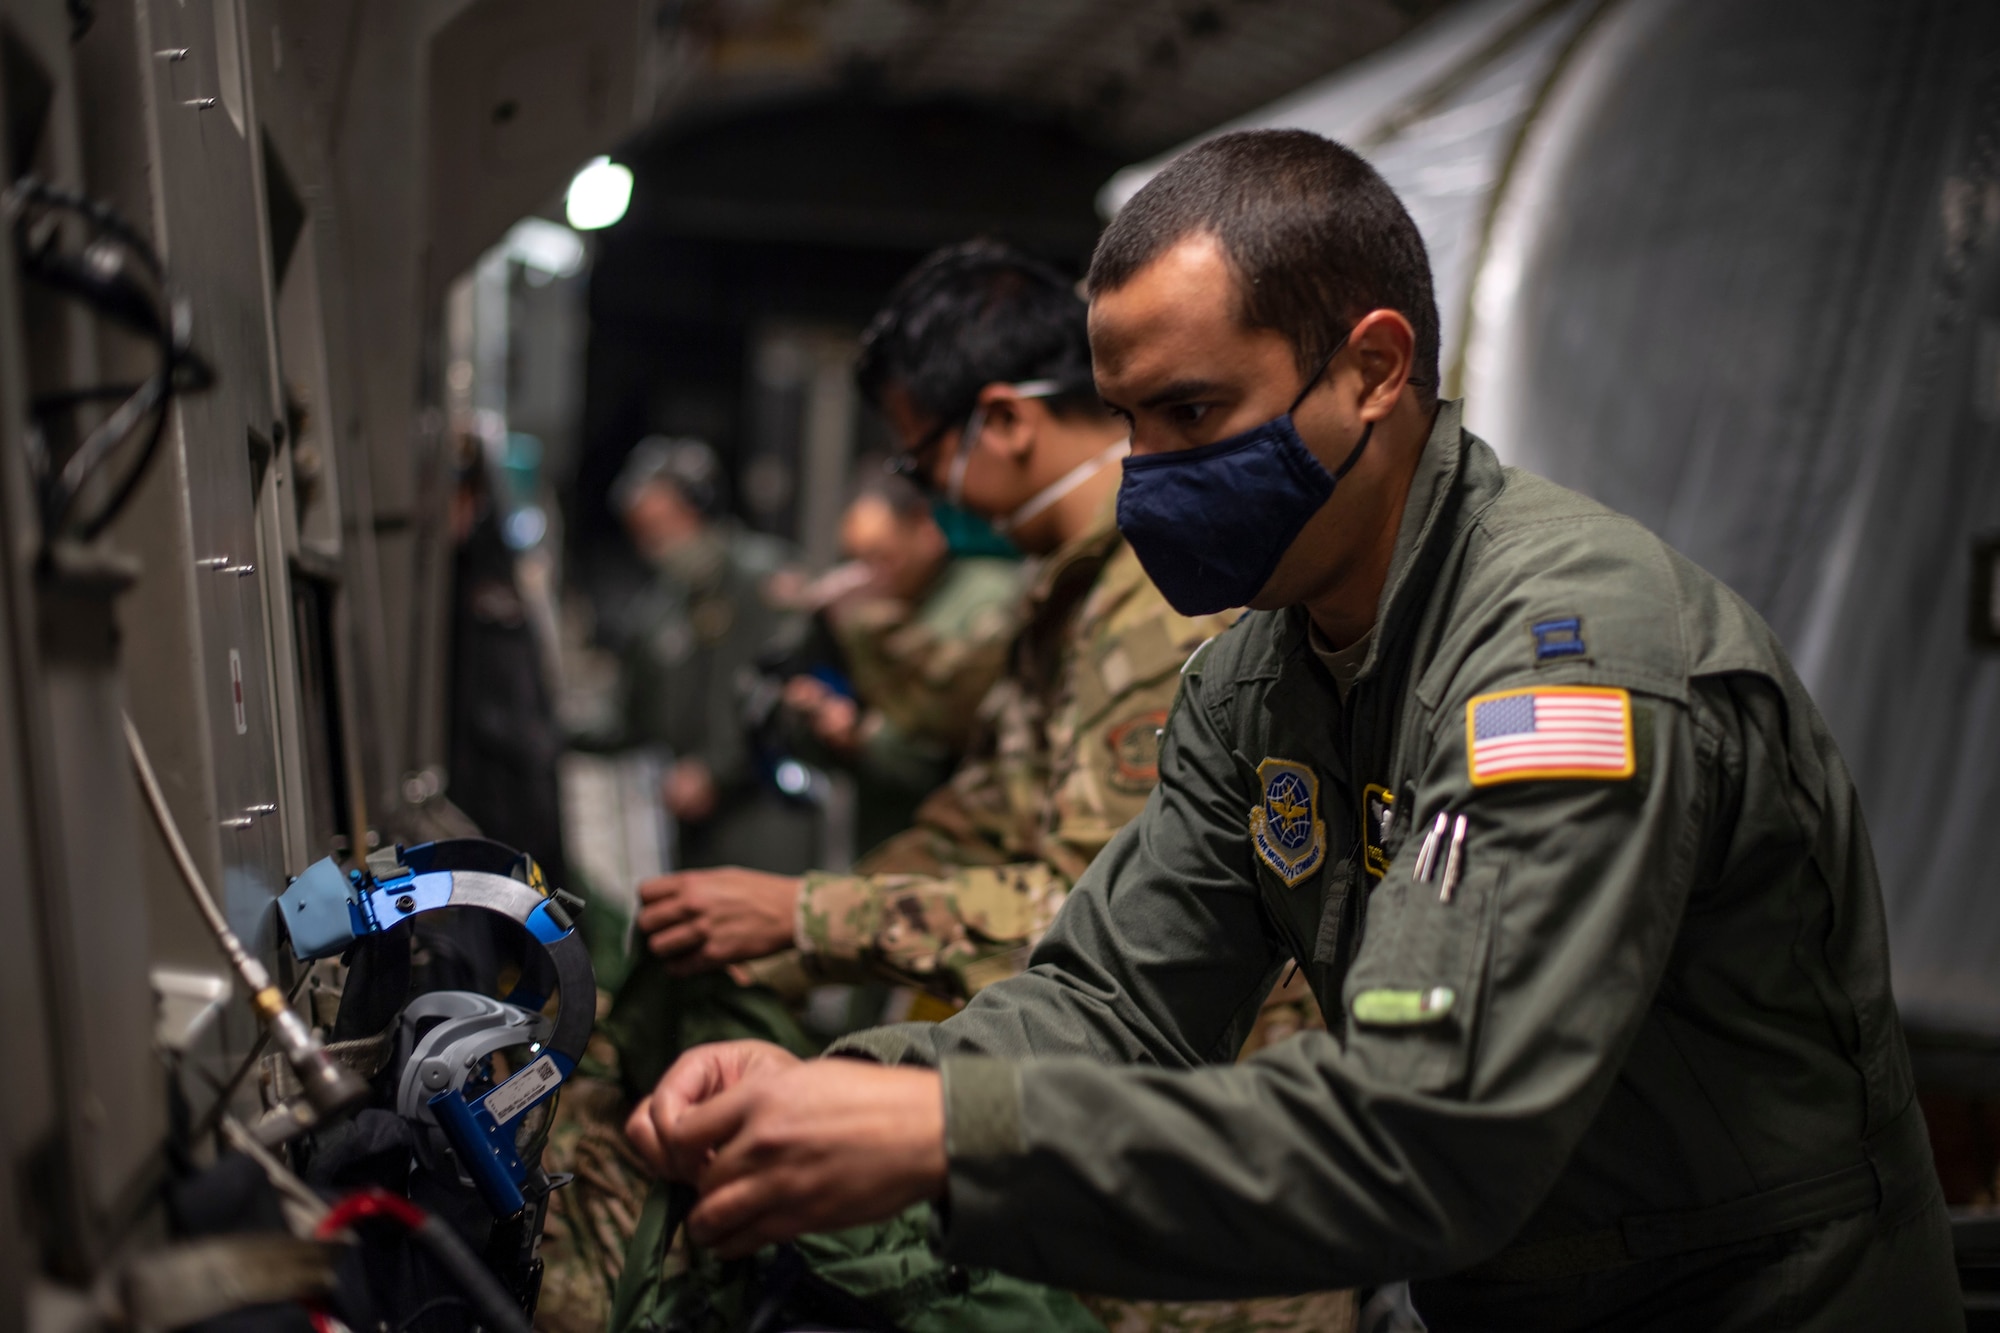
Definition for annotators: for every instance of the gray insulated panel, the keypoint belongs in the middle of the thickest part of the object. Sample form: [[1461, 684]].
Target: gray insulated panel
[[1745, 285]]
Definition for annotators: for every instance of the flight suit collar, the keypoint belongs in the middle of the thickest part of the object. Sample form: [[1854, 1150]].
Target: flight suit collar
[[1425, 533]]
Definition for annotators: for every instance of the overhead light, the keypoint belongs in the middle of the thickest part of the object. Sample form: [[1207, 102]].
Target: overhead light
[[546, 248], [599, 195]]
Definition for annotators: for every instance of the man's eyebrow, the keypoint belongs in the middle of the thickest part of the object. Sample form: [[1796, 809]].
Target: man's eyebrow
[[1180, 391]]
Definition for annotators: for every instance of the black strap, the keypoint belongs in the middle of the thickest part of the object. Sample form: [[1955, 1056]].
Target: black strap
[[1894, 1169]]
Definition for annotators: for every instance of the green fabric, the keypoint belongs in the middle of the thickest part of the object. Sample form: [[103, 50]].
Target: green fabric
[[984, 1104], [607, 933], [891, 1266], [1671, 990], [656, 1016], [635, 1301]]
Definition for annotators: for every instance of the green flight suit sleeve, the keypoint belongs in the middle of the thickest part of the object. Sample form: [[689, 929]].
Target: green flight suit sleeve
[[1407, 1149]]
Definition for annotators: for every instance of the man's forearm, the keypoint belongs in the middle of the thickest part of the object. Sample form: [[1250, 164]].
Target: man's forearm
[[954, 934]]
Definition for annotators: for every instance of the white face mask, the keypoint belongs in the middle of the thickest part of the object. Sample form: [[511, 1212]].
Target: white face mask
[[1038, 503]]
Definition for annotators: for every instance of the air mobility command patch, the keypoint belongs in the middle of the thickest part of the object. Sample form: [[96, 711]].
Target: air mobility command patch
[[1378, 812], [1285, 826], [1560, 731]]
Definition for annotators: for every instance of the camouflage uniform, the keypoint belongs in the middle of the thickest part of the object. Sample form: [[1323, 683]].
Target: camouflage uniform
[[590, 1220], [920, 672], [1067, 752], [925, 669]]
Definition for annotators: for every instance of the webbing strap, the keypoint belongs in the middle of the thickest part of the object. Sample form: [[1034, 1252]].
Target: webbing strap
[[666, 1207], [1894, 1166], [366, 1056]]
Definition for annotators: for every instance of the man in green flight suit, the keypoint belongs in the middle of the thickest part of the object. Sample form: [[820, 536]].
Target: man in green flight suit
[[1539, 808], [703, 619]]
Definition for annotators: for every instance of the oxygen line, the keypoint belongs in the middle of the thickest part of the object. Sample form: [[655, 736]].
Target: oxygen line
[[328, 1084]]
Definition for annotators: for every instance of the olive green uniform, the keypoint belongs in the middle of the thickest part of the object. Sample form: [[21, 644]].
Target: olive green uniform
[[1640, 1067], [702, 624]]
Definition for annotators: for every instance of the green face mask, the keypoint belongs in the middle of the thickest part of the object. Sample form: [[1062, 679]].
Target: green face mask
[[966, 533]]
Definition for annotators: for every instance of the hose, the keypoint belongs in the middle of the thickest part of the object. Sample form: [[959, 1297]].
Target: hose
[[489, 1300], [329, 1085]]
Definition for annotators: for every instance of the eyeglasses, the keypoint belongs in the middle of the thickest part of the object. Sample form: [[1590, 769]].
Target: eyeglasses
[[914, 462]]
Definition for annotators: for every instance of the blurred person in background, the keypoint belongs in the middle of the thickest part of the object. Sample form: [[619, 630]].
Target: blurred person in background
[[698, 629], [504, 736], [921, 635]]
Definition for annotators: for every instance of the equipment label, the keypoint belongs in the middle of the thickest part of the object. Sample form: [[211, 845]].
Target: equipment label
[[236, 691], [520, 1092]]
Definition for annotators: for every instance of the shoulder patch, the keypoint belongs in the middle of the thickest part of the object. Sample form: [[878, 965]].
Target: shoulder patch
[[1285, 827], [1135, 750], [1556, 731]]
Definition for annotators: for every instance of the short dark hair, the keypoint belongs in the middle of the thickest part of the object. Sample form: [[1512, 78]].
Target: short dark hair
[[975, 314], [1316, 237]]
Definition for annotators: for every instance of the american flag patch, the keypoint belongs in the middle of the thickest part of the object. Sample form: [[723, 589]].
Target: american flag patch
[[1550, 732]]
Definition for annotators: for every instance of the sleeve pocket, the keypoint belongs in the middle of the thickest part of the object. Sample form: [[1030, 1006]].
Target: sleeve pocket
[[1413, 995]]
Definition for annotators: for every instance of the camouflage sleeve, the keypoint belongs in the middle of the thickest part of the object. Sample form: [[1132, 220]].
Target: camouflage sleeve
[[928, 684], [952, 934]]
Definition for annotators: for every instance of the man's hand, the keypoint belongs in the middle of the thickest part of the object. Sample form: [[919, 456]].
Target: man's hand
[[701, 920], [700, 1074], [688, 791], [833, 718], [780, 1149]]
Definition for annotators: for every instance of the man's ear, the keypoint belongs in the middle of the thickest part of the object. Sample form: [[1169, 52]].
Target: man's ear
[[1012, 422], [1385, 348]]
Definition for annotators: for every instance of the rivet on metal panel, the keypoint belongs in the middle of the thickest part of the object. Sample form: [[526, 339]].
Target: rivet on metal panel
[[242, 571], [174, 53], [239, 821], [200, 103], [262, 809], [212, 562]]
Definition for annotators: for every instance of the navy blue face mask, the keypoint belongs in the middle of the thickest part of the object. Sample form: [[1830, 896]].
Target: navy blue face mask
[[1210, 524]]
